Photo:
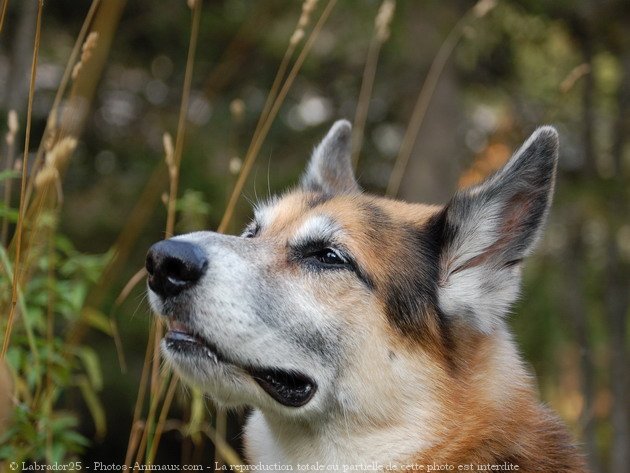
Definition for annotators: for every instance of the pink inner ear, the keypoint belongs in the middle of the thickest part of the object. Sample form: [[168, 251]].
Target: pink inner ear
[[513, 218]]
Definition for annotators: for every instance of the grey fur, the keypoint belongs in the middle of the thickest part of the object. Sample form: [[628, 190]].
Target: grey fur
[[330, 169]]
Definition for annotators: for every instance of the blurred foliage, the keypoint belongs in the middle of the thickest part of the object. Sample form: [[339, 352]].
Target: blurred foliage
[[43, 364]]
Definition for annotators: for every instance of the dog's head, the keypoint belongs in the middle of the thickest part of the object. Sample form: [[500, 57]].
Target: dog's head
[[331, 297]]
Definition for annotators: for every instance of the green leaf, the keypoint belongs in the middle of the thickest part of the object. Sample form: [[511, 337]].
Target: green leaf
[[96, 319], [11, 214], [92, 367], [197, 412], [94, 405], [9, 174], [72, 437]]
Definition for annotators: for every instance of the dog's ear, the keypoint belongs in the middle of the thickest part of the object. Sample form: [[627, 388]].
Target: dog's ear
[[490, 228], [330, 168]]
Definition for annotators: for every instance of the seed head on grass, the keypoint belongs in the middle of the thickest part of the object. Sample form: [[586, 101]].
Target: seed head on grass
[[55, 160], [483, 7], [86, 53], [305, 17], [59, 155], [13, 126], [383, 20], [50, 132], [169, 152]]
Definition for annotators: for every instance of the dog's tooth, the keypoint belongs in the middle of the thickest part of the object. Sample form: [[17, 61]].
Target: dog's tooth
[[212, 356]]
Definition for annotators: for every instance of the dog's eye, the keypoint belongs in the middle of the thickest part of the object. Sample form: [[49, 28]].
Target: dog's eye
[[329, 257]]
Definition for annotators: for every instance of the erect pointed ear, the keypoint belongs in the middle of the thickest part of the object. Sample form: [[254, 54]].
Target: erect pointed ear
[[330, 168], [490, 228]]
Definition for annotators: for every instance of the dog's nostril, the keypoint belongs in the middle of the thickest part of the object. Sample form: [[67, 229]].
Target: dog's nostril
[[183, 271], [174, 265]]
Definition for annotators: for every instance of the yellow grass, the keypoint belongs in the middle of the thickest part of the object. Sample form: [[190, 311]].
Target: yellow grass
[[21, 212]]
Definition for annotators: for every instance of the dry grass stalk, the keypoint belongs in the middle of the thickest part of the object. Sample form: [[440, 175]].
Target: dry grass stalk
[[138, 426], [149, 429], [13, 127], [181, 124], [22, 206], [173, 156], [134, 439], [222, 446], [479, 10], [159, 429], [381, 34], [383, 20], [257, 140], [3, 14], [136, 279]]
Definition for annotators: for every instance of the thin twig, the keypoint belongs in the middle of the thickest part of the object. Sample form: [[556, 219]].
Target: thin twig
[[22, 207]]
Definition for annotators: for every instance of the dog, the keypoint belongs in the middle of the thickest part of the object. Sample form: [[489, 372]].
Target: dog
[[369, 333]]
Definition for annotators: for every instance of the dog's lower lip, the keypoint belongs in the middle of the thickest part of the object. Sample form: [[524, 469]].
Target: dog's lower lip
[[182, 339], [289, 388]]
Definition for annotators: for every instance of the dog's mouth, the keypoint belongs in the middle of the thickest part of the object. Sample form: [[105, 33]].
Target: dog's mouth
[[289, 388]]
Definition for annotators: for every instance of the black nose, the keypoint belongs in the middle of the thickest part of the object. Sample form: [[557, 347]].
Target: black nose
[[174, 265]]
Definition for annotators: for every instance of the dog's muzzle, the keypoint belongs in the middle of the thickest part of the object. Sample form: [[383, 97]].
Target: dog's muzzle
[[174, 266]]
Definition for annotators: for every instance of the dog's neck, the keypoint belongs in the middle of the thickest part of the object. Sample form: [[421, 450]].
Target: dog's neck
[[271, 441], [405, 419]]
